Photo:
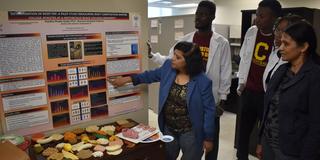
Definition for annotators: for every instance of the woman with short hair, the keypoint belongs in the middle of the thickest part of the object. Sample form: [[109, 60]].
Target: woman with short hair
[[186, 103]]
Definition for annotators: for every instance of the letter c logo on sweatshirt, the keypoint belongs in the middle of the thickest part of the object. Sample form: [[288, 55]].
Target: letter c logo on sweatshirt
[[263, 45]]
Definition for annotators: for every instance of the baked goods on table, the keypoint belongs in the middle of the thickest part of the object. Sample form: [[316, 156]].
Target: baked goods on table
[[92, 141]]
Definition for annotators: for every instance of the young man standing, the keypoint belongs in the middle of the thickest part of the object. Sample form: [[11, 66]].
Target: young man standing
[[216, 55], [254, 53]]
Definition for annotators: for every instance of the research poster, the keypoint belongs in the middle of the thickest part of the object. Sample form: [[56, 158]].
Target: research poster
[[55, 66]]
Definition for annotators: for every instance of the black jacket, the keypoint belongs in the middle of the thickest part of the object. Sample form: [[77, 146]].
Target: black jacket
[[299, 111]]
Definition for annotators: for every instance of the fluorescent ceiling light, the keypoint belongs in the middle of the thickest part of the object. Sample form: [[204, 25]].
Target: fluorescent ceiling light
[[165, 2], [151, 1], [188, 5]]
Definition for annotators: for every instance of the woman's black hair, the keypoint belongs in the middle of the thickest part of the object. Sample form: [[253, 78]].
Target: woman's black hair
[[303, 32], [290, 18], [192, 56]]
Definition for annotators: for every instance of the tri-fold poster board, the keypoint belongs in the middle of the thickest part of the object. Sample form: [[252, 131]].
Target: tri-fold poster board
[[55, 66]]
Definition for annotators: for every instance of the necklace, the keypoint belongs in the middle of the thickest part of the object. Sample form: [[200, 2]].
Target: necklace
[[265, 34]]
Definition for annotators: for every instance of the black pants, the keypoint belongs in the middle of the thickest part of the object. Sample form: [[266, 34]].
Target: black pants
[[251, 110], [213, 155]]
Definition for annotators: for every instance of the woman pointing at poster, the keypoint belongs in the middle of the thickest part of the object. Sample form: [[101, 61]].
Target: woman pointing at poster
[[186, 103]]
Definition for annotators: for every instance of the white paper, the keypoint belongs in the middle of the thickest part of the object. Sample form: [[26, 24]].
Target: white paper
[[20, 55], [122, 66], [179, 23], [154, 39], [124, 100], [24, 101], [142, 134], [122, 43], [136, 20], [178, 35], [129, 87], [26, 120], [154, 23], [21, 84]]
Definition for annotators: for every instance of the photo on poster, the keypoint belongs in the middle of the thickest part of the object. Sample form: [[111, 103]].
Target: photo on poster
[[75, 50]]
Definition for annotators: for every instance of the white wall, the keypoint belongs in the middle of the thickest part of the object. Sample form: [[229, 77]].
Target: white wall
[[229, 11]]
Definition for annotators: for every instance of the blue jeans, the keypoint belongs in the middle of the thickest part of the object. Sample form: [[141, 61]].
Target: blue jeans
[[191, 150], [213, 155]]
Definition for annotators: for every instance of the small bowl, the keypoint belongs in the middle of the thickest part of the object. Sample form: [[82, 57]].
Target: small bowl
[[167, 138]]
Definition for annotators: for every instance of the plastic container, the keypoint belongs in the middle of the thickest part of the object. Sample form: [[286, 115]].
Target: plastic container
[[167, 138]]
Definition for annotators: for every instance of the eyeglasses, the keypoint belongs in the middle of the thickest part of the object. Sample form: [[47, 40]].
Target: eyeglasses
[[278, 31]]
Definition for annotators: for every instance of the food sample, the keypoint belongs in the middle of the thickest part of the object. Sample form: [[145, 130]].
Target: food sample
[[49, 151], [84, 138], [114, 153], [70, 137], [113, 148], [77, 146], [130, 133], [69, 155], [85, 146], [67, 147], [56, 137], [97, 154], [37, 136], [44, 141], [38, 148], [78, 131], [116, 142], [84, 154], [108, 129], [92, 128], [99, 148], [103, 141], [60, 145], [101, 132], [56, 156]]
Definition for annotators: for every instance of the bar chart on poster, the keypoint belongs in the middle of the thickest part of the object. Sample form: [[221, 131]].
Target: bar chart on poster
[[55, 67]]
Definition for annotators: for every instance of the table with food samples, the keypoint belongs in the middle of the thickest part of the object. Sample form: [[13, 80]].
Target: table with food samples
[[121, 140]]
